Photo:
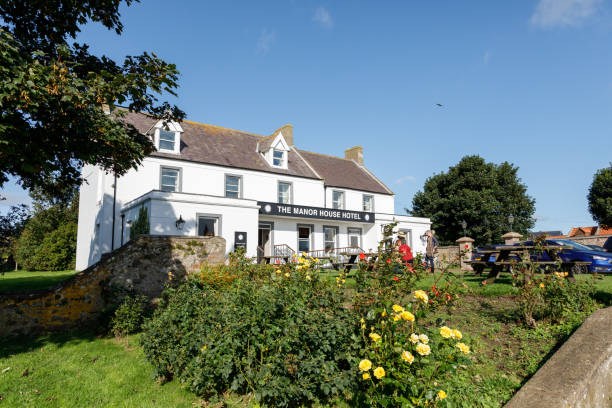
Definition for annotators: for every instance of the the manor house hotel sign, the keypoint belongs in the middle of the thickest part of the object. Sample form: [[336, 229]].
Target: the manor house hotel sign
[[301, 211]]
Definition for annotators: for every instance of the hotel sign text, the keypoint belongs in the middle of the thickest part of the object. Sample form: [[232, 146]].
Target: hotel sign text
[[301, 211]]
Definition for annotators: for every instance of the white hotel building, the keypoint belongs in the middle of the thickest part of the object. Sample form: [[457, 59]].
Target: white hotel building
[[253, 190]]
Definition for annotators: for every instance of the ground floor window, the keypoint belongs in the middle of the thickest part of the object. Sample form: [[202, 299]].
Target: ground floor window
[[208, 226], [354, 237], [304, 238], [330, 238]]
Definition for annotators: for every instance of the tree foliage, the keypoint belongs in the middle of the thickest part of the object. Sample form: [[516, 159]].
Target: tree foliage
[[48, 240], [141, 225], [11, 226], [600, 197], [483, 194], [52, 91]]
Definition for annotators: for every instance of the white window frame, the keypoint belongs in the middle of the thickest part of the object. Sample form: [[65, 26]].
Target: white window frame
[[283, 159], [159, 140], [239, 177], [278, 192], [358, 232], [363, 202], [179, 181], [342, 204], [310, 237], [337, 235], [217, 225]]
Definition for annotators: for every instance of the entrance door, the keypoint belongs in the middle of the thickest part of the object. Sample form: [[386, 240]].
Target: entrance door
[[264, 240], [330, 237], [354, 237]]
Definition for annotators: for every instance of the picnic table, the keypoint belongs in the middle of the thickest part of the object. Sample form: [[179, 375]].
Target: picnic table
[[513, 255]]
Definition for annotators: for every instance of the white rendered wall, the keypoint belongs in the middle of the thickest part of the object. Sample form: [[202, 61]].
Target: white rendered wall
[[353, 199]]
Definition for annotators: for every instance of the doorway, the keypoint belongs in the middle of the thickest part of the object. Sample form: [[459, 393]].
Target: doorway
[[264, 239]]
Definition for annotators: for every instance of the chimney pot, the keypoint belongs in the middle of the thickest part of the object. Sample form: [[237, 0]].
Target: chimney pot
[[355, 154]]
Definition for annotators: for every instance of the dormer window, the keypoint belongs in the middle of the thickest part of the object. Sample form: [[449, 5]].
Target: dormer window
[[167, 137], [167, 140], [278, 158]]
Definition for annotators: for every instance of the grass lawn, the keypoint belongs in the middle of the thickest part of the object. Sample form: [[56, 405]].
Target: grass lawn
[[80, 370], [29, 280]]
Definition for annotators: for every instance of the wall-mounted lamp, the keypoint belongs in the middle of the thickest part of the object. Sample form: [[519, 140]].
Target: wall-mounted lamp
[[128, 223], [180, 223]]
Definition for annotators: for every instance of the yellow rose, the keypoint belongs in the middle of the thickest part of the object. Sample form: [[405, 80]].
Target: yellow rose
[[397, 308], [445, 332], [423, 349], [465, 349], [421, 295], [456, 334], [406, 315], [541, 285], [308, 277], [379, 372], [374, 337], [366, 376], [414, 338], [407, 357], [396, 318], [424, 339], [287, 274], [365, 365], [362, 321], [441, 395]]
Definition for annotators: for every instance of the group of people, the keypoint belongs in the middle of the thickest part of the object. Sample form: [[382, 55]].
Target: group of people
[[431, 248]]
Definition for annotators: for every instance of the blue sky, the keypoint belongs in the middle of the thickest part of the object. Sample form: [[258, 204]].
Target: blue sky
[[529, 82]]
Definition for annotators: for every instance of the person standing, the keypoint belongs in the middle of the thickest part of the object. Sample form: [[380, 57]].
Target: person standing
[[431, 249]]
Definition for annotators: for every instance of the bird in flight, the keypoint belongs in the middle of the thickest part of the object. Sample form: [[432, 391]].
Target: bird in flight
[[439, 104]]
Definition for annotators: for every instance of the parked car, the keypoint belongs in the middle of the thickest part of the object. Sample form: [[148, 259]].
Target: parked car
[[600, 262]]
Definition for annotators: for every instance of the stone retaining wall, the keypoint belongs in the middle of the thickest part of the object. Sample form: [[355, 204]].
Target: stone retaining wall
[[448, 253], [601, 240], [579, 374], [143, 265]]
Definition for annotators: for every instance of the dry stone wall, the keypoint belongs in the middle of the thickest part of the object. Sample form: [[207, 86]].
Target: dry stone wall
[[143, 265]]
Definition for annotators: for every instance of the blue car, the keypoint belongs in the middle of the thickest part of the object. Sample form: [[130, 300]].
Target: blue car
[[600, 262]]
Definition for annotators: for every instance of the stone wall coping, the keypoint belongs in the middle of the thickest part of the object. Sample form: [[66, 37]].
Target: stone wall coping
[[465, 239], [508, 235], [579, 374]]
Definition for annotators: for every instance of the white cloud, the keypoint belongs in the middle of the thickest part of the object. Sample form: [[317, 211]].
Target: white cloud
[[266, 38], [405, 179], [323, 17], [563, 13]]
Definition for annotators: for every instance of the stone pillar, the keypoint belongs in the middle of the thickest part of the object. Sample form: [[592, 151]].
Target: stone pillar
[[466, 245], [511, 238]]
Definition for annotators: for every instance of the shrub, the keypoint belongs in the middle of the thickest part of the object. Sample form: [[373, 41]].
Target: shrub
[[130, 315], [565, 299], [288, 339]]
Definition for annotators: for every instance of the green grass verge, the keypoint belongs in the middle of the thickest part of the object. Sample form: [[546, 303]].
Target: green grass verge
[[80, 370], [31, 280]]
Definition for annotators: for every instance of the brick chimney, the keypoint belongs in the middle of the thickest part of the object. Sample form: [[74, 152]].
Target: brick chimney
[[355, 154], [287, 131]]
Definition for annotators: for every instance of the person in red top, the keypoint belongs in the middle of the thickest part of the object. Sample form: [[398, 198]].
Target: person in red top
[[404, 249]]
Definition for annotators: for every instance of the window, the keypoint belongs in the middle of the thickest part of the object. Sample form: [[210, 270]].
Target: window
[[278, 158], [368, 203], [170, 179], [208, 226], [284, 193], [338, 200], [166, 139], [304, 233], [233, 186], [330, 235], [354, 237]]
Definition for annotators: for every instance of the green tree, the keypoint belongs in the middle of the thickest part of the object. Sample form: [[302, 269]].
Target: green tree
[[52, 92], [48, 240], [600, 197], [483, 194], [11, 226], [141, 225]]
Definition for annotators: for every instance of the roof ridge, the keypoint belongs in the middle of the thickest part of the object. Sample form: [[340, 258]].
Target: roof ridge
[[224, 128]]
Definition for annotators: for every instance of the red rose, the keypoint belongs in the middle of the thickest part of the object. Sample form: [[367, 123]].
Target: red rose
[[395, 278], [448, 296], [362, 256], [434, 287], [278, 261], [484, 282], [388, 260], [410, 268], [467, 246]]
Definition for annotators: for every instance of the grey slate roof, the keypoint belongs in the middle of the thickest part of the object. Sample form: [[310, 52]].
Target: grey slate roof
[[210, 144]]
